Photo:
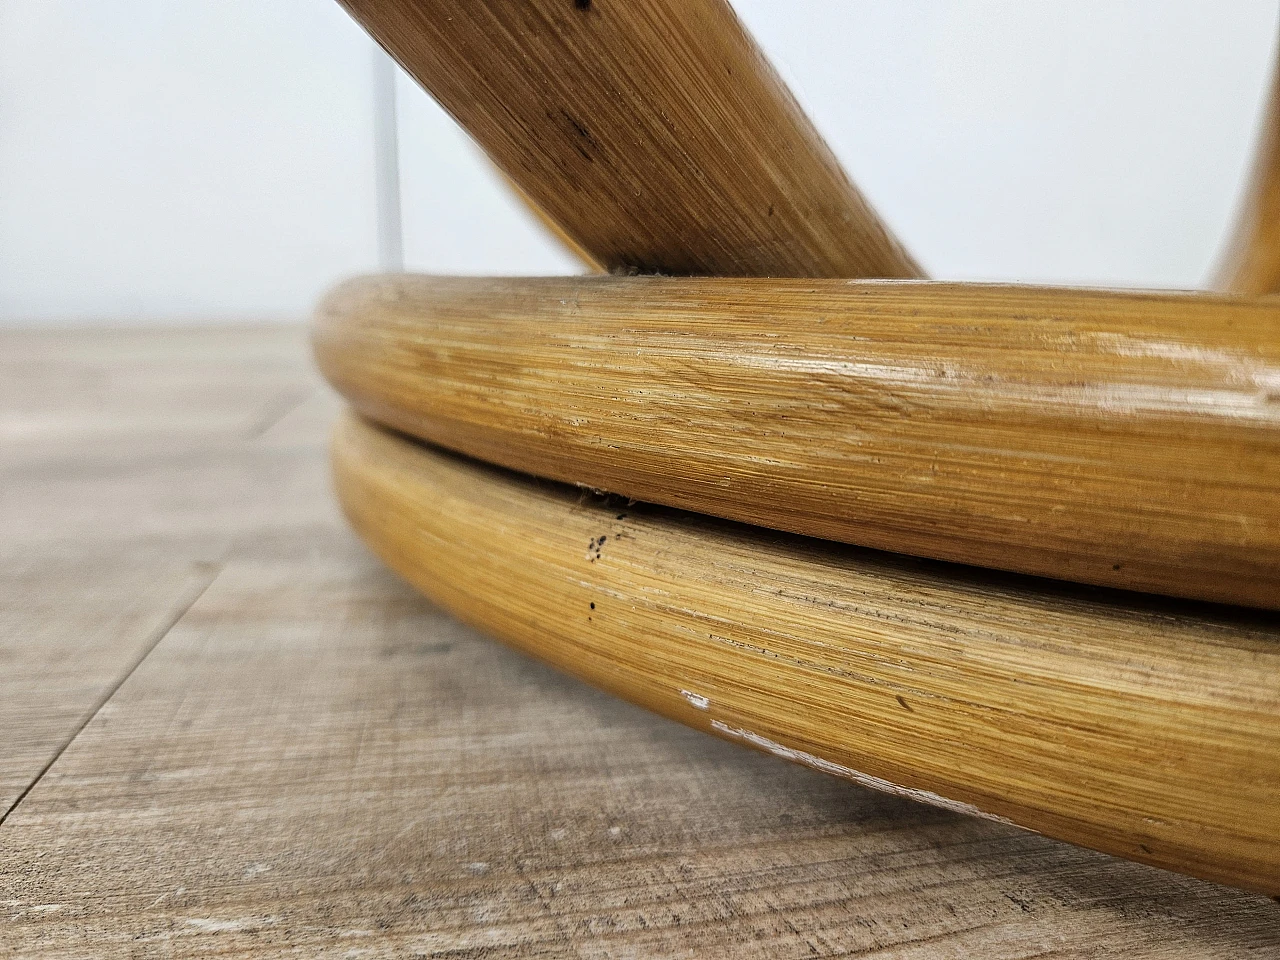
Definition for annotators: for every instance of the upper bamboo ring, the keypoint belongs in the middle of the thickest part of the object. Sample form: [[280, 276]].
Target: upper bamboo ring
[[1122, 439]]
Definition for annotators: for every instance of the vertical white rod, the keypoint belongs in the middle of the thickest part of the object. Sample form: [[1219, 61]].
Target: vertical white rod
[[386, 159]]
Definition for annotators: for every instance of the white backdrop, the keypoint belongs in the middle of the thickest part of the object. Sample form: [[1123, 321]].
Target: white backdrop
[[214, 159]]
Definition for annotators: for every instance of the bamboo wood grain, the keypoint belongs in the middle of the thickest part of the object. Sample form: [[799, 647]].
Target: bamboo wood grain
[[1251, 256], [1122, 439], [1146, 732], [652, 131]]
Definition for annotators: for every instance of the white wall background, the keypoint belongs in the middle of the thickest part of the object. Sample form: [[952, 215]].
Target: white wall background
[[212, 159]]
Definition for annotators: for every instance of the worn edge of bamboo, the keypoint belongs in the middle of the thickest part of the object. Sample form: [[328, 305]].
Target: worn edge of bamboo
[[1144, 731], [1119, 439], [653, 133]]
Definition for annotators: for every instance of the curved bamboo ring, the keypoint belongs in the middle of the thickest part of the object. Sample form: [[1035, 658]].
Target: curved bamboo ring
[[1150, 733], [1129, 440], [652, 132]]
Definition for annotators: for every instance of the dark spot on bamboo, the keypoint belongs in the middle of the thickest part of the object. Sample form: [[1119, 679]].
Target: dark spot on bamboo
[[583, 137], [903, 703]]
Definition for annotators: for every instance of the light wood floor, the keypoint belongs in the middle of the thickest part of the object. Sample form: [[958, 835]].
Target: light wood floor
[[225, 730]]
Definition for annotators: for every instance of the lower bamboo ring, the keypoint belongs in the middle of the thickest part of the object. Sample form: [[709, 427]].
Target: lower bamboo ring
[[1148, 732]]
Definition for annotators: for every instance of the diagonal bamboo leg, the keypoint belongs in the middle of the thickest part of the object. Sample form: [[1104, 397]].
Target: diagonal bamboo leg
[[652, 132], [1251, 255]]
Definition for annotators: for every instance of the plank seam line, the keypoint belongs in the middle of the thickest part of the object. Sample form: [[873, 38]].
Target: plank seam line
[[152, 642]]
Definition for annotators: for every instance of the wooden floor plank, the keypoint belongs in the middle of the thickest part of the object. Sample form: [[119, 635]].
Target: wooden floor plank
[[60, 655], [127, 385], [122, 455], [154, 438], [314, 761]]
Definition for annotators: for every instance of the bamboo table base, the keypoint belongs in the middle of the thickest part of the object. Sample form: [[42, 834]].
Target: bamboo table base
[[662, 165], [259, 743]]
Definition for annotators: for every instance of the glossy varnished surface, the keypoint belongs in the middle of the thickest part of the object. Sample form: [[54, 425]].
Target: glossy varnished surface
[[312, 760], [1120, 439], [1149, 732], [652, 132]]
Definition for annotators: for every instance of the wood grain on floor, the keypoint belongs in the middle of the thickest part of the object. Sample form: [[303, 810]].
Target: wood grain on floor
[[311, 760]]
